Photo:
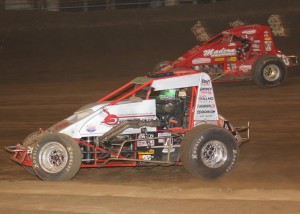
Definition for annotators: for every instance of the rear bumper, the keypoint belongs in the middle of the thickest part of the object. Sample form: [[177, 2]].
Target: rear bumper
[[293, 60], [246, 137]]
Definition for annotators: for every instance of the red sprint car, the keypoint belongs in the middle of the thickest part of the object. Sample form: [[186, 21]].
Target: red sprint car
[[241, 53]]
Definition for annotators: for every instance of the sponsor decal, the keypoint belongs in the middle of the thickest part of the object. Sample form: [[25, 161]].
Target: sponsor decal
[[219, 59], [147, 143], [256, 49], [90, 128], [266, 33], [205, 82], [256, 46], [166, 148], [206, 111], [232, 59], [163, 135], [205, 98], [146, 157], [245, 68], [149, 152], [111, 120], [256, 41], [201, 60], [206, 91], [268, 45], [268, 38], [206, 106], [219, 53], [250, 31]]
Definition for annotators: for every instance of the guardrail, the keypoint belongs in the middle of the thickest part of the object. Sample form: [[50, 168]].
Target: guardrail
[[86, 5]]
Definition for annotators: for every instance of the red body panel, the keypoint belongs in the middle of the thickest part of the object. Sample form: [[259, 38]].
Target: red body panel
[[228, 56]]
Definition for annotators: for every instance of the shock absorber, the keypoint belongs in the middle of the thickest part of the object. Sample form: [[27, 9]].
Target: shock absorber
[[88, 154]]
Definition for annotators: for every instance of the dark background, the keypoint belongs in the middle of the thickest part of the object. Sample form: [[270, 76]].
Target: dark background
[[54, 46]]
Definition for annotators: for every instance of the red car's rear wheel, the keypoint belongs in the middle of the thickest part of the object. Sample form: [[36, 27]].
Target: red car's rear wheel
[[269, 71]]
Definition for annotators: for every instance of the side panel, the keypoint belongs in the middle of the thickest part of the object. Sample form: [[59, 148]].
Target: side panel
[[206, 108], [110, 116]]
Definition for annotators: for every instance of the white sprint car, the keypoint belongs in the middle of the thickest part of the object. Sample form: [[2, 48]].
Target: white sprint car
[[170, 120]]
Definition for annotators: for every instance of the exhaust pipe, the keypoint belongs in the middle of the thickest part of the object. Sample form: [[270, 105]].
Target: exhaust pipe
[[126, 125]]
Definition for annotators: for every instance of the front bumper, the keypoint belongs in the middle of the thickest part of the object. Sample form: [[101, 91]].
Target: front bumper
[[21, 154]]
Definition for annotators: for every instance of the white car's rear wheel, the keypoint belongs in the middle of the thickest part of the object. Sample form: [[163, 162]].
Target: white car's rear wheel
[[208, 151], [214, 154]]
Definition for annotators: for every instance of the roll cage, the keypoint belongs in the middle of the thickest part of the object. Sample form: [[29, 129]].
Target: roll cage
[[150, 87]]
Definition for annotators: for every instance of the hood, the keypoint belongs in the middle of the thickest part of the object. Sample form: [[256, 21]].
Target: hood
[[84, 112]]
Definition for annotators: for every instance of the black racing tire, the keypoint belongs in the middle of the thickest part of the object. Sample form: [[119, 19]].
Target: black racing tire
[[56, 157], [160, 65], [269, 71], [29, 140], [208, 151]]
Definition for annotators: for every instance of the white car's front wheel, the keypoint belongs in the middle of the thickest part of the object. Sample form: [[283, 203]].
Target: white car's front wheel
[[56, 157], [29, 141]]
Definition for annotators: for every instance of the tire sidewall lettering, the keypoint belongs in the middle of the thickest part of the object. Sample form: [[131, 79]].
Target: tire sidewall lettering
[[234, 158], [206, 136], [70, 159], [34, 156], [196, 146]]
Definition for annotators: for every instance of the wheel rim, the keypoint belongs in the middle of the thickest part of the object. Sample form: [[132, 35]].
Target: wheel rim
[[271, 72], [214, 154], [53, 157]]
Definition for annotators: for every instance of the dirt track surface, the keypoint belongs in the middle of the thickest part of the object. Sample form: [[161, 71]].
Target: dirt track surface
[[266, 177], [48, 72]]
